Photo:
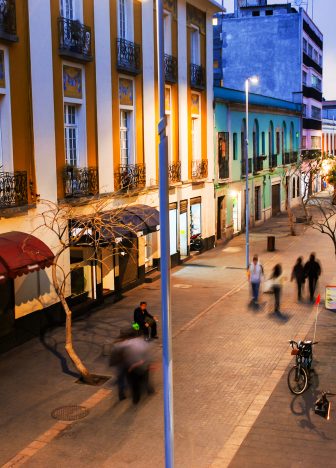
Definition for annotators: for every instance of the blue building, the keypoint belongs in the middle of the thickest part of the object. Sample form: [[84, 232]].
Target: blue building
[[274, 140], [283, 47]]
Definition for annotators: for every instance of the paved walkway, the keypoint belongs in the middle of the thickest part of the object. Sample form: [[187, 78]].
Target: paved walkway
[[224, 356]]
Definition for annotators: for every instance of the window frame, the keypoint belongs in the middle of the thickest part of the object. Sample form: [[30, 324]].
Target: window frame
[[132, 156], [71, 160], [195, 55]]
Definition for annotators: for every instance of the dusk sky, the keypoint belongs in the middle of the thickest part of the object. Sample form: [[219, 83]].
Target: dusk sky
[[324, 17]]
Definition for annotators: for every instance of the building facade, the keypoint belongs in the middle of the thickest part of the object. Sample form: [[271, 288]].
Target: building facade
[[273, 152], [329, 127], [79, 116], [284, 48]]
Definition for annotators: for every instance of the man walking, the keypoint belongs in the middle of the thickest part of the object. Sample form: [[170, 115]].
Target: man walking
[[312, 271], [255, 274], [298, 275], [146, 321]]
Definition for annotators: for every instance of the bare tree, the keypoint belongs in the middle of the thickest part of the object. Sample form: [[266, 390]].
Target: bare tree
[[324, 216], [91, 224]]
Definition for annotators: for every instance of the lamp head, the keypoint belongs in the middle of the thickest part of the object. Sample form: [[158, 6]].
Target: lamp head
[[254, 79]]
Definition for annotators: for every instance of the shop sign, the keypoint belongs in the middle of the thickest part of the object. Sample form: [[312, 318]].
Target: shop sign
[[72, 82], [125, 92], [330, 297]]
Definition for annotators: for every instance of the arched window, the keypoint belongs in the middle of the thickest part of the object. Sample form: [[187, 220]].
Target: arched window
[[256, 139], [271, 138], [291, 137], [284, 137]]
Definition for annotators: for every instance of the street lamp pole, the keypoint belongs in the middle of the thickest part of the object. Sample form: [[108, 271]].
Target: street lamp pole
[[165, 249], [253, 80]]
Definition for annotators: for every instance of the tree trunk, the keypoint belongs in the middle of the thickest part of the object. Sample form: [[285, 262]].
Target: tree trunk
[[87, 377], [334, 196]]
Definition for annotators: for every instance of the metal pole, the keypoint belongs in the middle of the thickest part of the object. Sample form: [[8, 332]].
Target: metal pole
[[247, 207], [165, 249]]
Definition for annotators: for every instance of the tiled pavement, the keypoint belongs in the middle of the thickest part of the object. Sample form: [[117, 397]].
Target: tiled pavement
[[223, 365]]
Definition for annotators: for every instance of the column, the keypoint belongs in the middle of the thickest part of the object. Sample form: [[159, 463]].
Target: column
[[182, 87]]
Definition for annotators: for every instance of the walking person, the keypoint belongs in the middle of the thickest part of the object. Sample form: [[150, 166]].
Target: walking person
[[299, 276], [277, 280], [312, 271], [255, 274]]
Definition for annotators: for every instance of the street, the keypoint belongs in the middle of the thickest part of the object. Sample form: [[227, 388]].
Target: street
[[230, 389]]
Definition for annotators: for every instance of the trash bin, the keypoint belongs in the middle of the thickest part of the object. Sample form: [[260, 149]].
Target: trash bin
[[270, 243]]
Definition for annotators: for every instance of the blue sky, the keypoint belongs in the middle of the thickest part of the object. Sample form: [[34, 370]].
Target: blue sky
[[324, 17]]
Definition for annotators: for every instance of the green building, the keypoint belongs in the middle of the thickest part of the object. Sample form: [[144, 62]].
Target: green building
[[274, 140]]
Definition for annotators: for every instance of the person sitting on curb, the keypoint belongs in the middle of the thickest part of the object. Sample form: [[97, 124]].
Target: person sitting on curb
[[146, 321]]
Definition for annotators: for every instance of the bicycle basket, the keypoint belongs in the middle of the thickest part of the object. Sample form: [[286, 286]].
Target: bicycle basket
[[295, 352]]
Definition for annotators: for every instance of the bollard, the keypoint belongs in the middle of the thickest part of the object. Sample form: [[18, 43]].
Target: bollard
[[270, 243]]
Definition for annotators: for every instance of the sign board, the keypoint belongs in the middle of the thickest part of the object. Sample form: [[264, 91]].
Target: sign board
[[330, 297]]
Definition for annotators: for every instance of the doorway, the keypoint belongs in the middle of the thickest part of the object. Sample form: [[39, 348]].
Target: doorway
[[184, 228], [257, 203], [7, 315], [128, 262], [276, 197], [220, 217], [236, 214]]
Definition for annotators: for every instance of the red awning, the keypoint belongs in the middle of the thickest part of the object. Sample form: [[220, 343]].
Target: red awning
[[22, 253]]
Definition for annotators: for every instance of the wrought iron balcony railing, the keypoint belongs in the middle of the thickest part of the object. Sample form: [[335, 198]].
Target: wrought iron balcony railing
[[170, 64], [223, 169], [199, 169], [289, 157], [311, 153], [13, 189], [128, 57], [244, 167], [130, 176], [8, 20], [197, 76], [80, 181], [74, 39], [174, 171], [258, 164], [273, 160]]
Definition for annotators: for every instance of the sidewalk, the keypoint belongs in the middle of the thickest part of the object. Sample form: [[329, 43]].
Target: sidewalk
[[223, 354]]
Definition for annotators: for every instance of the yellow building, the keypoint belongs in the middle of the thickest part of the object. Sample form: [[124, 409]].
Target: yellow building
[[78, 118]]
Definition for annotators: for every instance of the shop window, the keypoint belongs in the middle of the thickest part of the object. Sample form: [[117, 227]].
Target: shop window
[[195, 216], [173, 230]]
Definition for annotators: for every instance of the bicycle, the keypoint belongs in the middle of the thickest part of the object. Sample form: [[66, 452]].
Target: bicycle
[[298, 376]]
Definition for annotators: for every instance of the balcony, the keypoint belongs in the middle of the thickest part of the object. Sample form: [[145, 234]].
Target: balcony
[[244, 167], [258, 164], [197, 77], [74, 40], [13, 189], [199, 169], [170, 66], [311, 153], [130, 177], [272, 161], [8, 20], [128, 57], [309, 62], [80, 181], [223, 169], [174, 172]]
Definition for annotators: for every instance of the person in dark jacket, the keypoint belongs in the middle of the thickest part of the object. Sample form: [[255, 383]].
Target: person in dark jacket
[[298, 275], [312, 271], [146, 321]]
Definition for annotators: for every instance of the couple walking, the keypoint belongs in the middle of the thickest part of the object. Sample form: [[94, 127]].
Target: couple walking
[[311, 270], [256, 274]]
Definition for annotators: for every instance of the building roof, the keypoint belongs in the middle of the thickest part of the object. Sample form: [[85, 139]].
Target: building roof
[[234, 95]]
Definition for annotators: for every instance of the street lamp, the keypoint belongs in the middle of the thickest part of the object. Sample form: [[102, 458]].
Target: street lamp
[[253, 80]]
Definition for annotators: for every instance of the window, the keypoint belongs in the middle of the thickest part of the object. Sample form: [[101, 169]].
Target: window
[[293, 187], [255, 139], [304, 78], [284, 137], [304, 142], [269, 12], [310, 51], [68, 9], [257, 204], [223, 155], [316, 142], [316, 82], [122, 19], [71, 134], [315, 113], [304, 110], [167, 33], [305, 45], [315, 55], [255, 13], [320, 60], [235, 146], [263, 149], [278, 142], [169, 123], [124, 137], [271, 139], [196, 137], [195, 46]]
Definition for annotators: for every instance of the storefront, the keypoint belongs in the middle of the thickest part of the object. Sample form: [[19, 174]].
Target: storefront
[[195, 216], [174, 255]]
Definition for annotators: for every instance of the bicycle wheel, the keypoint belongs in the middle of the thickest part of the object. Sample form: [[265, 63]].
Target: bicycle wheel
[[297, 380]]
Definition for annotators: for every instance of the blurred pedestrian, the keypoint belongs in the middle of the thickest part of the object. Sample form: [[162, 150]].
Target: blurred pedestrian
[[312, 271], [277, 281], [255, 275], [146, 321], [298, 275]]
